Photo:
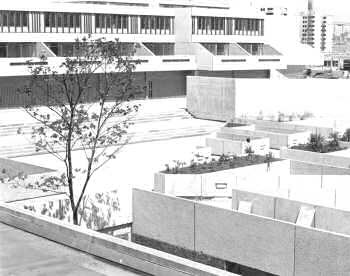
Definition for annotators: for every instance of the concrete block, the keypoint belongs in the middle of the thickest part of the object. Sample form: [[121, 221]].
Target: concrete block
[[262, 205], [321, 253], [250, 240], [288, 210], [333, 220], [164, 218]]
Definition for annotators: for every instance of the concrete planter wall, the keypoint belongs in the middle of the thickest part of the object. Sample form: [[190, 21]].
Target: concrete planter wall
[[243, 126], [112, 249], [277, 140], [218, 183], [220, 146], [264, 124], [272, 245], [326, 162]]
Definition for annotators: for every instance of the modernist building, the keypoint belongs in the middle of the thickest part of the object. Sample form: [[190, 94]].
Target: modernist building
[[316, 29], [174, 38]]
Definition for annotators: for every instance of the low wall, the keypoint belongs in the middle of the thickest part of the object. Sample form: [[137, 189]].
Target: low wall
[[277, 140], [112, 249], [326, 218], [261, 124], [260, 146], [270, 245], [190, 185], [316, 163]]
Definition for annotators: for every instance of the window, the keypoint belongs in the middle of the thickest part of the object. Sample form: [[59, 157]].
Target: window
[[65, 20], [77, 20], [11, 19]]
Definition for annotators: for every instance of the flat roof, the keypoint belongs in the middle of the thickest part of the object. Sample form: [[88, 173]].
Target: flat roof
[[23, 253]]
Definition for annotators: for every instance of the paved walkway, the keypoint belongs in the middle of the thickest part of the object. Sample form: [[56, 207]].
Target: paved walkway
[[22, 253]]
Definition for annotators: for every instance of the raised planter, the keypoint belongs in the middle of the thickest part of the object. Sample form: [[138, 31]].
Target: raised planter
[[278, 137], [219, 183], [237, 125], [327, 163], [289, 125], [238, 145]]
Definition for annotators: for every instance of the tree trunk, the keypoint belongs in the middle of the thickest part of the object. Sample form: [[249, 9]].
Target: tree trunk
[[75, 217]]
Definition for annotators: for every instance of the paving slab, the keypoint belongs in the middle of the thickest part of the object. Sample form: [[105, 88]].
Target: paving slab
[[23, 253]]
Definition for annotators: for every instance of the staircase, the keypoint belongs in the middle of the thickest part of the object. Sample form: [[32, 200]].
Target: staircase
[[152, 123]]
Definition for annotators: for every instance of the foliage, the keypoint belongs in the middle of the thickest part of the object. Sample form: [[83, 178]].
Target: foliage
[[95, 213], [223, 162], [346, 135], [99, 71], [334, 139], [318, 143], [249, 151]]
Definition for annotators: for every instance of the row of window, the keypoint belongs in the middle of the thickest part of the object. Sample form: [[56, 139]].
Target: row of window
[[16, 21], [227, 26], [106, 23], [13, 19], [59, 20], [161, 49], [9, 50]]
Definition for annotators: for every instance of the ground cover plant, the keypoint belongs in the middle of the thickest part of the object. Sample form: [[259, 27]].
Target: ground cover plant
[[318, 143], [224, 162]]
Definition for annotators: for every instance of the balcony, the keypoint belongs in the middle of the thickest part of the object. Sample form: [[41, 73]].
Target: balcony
[[19, 66], [234, 57]]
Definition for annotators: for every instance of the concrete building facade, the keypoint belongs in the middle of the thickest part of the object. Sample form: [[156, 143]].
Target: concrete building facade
[[316, 29], [173, 39]]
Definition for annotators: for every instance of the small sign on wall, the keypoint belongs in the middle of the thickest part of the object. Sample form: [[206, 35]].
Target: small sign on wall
[[306, 216], [245, 207]]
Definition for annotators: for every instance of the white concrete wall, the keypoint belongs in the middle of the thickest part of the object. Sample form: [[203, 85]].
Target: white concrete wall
[[249, 97], [205, 184], [249, 240], [154, 216], [211, 98], [315, 158], [325, 97], [263, 243]]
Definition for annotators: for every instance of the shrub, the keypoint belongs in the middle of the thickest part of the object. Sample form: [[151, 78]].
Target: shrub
[[346, 135], [316, 141], [334, 142]]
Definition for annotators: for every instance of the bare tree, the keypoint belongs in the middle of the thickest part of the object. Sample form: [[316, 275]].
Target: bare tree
[[99, 72]]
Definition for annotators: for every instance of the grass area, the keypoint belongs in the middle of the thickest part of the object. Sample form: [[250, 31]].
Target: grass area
[[223, 163], [13, 168]]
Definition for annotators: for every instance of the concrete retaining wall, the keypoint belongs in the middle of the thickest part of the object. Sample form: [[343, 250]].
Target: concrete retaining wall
[[261, 124], [218, 102], [277, 140], [181, 218], [112, 249], [321, 253], [206, 184], [249, 240], [266, 244], [221, 146], [225, 98], [319, 163]]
